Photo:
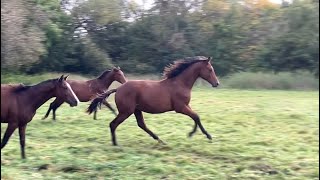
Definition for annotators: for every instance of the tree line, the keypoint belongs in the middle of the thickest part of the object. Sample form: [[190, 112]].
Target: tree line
[[89, 36]]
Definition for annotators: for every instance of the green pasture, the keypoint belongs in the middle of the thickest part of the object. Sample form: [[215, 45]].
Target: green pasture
[[258, 134]]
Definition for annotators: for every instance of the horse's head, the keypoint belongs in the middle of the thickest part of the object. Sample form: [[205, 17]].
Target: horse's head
[[208, 74], [65, 92], [118, 75]]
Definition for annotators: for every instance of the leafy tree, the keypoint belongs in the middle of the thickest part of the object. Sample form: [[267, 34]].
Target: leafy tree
[[297, 46], [22, 34]]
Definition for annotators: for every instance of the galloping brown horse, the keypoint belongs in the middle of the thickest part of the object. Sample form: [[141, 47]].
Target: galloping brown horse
[[171, 93], [19, 104], [86, 90]]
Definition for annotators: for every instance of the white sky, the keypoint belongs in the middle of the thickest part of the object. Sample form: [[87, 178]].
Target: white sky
[[148, 3]]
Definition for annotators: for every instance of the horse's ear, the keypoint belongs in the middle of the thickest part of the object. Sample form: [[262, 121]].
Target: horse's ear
[[209, 59], [61, 78], [115, 69], [65, 78]]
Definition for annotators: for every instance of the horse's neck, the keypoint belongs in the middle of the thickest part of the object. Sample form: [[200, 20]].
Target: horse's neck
[[105, 82], [39, 94], [189, 76]]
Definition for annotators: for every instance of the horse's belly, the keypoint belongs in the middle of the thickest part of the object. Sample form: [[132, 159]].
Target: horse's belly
[[158, 102], [153, 110], [155, 107], [4, 120]]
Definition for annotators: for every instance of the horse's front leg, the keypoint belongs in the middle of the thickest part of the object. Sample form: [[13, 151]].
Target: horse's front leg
[[188, 111], [22, 135], [10, 129]]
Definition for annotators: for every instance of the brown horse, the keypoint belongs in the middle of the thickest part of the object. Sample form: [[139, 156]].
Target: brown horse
[[19, 104], [86, 90], [171, 93]]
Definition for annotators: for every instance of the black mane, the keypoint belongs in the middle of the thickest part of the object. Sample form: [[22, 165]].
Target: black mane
[[21, 87], [103, 74], [179, 66]]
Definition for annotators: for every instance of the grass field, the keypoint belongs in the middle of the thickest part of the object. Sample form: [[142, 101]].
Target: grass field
[[257, 135]]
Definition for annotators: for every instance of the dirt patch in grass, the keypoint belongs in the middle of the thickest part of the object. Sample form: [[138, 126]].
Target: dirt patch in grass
[[265, 168]]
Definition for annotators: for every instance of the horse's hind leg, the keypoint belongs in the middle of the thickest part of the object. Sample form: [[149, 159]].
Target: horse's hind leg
[[110, 107], [188, 111], [10, 129], [194, 129], [115, 123], [142, 125], [55, 105], [48, 112], [22, 134], [95, 115], [106, 104]]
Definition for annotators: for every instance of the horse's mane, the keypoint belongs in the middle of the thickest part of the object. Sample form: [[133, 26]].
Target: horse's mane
[[21, 87], [103, 74], [180, 65]]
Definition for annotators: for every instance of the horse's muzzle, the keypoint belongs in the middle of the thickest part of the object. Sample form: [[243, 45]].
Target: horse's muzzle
[[73, 104], [215, 85]]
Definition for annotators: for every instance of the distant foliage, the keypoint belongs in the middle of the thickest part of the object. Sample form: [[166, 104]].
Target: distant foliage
[[22, 34], [95, 34], [297, 46]]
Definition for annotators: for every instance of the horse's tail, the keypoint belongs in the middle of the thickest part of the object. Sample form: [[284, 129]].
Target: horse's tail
[[96, 102]]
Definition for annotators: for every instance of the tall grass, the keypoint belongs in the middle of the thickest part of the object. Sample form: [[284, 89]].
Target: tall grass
[[242, 80], [283, 81]]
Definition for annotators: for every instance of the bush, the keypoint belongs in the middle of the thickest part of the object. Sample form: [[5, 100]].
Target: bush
[[285, 81], [9, 78]]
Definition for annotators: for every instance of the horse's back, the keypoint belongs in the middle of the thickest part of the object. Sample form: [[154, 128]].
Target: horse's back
[[140, 86]]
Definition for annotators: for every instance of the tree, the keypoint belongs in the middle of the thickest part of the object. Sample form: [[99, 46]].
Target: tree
[[22, 34], [297, 46]]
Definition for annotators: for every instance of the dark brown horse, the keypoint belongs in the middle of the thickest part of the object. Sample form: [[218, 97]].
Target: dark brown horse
[[19, 104], [170, 94], [86, 90]]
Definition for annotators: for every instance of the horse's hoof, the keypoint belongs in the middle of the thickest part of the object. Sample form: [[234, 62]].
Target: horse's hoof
[[161, 142], [209, 137], [190, 134]]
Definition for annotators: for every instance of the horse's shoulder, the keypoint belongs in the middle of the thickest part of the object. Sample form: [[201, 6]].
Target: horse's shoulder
[[96, 86]]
